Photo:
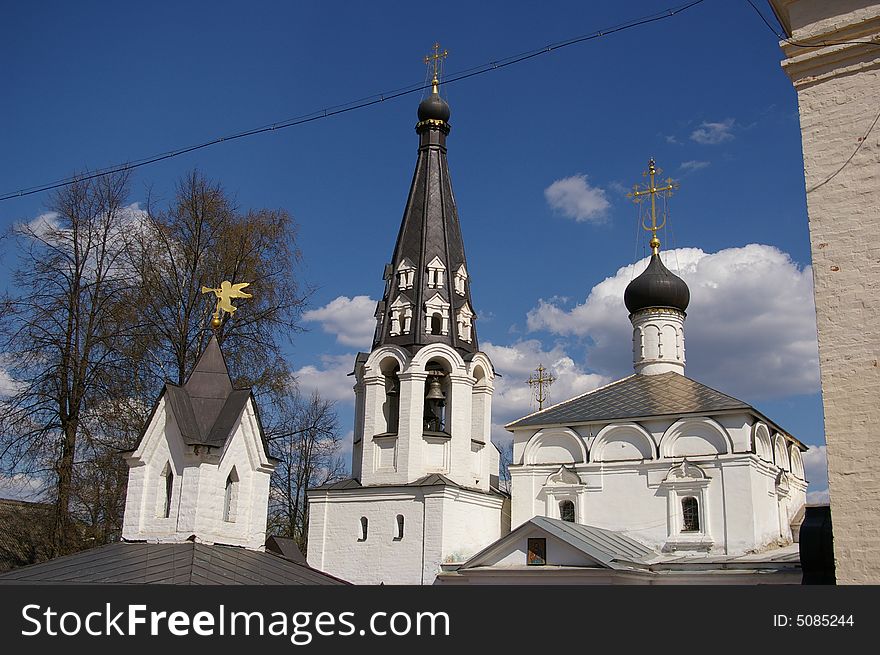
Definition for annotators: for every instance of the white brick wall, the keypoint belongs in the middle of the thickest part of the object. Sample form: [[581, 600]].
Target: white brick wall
[[839, 97]]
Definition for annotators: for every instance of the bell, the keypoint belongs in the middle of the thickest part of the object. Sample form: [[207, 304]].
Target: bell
[[435, 392], [393, 389]]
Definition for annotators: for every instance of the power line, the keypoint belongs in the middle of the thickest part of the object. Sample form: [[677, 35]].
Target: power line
[[354, 105]]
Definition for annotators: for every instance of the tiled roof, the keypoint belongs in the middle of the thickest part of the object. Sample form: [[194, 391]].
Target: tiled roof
[[634, 397], [180, 563]]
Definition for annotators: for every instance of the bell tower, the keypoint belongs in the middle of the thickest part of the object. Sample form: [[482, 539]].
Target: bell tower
[[424, 472]]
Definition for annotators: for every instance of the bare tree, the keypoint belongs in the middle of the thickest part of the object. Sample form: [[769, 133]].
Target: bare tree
[[63, 331], [307, 444], [505, 459]]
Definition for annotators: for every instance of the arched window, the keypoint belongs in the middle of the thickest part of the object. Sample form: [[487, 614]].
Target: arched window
[[364, 525], [230, 497], [392, 399], [399, 528], [690, 511], [166, 489], [566, 511]]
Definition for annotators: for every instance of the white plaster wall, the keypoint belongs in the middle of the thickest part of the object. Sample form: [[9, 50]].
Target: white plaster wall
[[441, 524]]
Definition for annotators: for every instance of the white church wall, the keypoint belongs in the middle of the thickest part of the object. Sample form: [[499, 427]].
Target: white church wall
[[335, 535], [441, 524], [199, 485]]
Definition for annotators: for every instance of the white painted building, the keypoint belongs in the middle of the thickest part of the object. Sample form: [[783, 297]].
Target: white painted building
[[652, 479], [201, 470], [424, 485]]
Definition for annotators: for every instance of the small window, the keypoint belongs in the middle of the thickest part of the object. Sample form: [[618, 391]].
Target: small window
[[566, 511], [364, 526], [166, 490], [690, 510], [537, 552], [399, 528], [436, 323], [230, 497]]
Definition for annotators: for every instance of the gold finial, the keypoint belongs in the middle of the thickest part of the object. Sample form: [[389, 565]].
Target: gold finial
[[225, 293], [651, 189], [434, 58], [541, 383]]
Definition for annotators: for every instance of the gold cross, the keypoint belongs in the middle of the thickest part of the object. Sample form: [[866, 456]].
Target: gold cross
[[540, 381], [638, 194], [434, 59]]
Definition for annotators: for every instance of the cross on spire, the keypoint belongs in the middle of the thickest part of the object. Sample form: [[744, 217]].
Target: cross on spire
[[639, 193], [434, 59], [541, 384]]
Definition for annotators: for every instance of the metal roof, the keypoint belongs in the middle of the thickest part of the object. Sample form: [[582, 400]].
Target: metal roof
[[180, 563], [430, 480], [636, 396], [610, 549], [207, 406]]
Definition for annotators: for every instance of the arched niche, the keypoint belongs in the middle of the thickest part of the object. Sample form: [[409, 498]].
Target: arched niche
[[438, 352], [623, 442], [555, 446], [797, 462], [780, 453], [694, 437], [761, 444], [384, 359]]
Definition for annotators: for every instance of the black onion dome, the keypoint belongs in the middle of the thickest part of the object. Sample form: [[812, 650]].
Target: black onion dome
[[657, 286], [434, 108]]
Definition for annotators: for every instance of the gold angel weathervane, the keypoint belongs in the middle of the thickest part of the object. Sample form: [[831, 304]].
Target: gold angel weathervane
[[225, 294]]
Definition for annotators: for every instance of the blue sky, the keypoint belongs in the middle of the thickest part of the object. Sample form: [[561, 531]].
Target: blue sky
[[98, 83]]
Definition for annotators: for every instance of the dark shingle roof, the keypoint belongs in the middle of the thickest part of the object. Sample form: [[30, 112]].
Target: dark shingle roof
[[182, 563], [634, 397], [430, 480]]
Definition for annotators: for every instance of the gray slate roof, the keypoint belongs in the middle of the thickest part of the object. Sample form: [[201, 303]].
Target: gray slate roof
[[634, 397], [183, 563], [207, 406]]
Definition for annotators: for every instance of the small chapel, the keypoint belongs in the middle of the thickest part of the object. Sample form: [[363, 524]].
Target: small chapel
[[654, 478]]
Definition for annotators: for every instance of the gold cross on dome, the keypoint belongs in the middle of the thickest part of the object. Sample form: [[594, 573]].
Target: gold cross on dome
[[541, 383], [434, 58], [639, 193]]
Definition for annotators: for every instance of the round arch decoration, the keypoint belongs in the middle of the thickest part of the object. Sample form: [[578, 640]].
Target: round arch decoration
[[373, 365], [694, 437], [780, 453], [797, 462], [761, 444], [623, 442], [555, 446], [438, 351]]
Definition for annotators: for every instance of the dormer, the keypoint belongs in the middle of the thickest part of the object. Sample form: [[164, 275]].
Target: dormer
[[401, 316], [460, 280], [406, 274], [380, 316], [465, 321], [437, 316], [436, 271]]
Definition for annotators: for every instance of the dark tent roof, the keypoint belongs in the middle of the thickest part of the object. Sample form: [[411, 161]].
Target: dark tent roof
[[207, 406], [180, 563]]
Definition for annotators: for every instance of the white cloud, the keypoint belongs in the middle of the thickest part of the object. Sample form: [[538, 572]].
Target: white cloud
[[574, 198], [750, 331], [671, 138], [513, 397], [330, 379], [350, 319], [713, 133], [693, 165], [816, 471]]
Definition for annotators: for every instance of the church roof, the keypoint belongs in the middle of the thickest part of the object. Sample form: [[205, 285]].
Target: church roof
[[430, 480], [207, 406], [608, 548], [179, 563], [637, 396], [429, 231]]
